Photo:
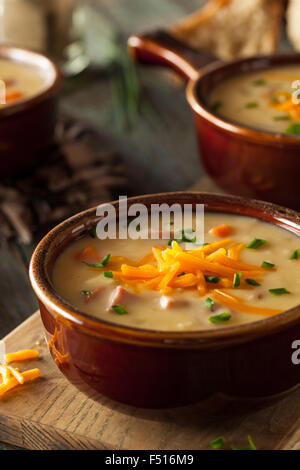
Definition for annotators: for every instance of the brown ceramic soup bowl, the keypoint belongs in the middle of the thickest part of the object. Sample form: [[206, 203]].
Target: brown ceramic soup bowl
[[242, 160], [155, 369], [27, 125]]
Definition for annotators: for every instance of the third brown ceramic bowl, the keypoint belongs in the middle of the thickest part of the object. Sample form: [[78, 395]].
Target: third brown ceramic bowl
[[159, 368], [27, 126], [240, 159]]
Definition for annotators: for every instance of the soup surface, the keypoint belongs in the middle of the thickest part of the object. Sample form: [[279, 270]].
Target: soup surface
[[242, 274], [21, 81], [263, 99]]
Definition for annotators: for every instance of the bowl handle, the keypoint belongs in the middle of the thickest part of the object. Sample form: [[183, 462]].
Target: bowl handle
[[160, 48]]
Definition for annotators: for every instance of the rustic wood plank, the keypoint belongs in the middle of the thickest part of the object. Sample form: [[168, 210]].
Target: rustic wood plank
[[51, 414], [17, 300]]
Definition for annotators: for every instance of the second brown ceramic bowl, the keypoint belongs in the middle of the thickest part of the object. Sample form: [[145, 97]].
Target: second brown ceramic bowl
[[27, 126], [241, 159], [166, 369]]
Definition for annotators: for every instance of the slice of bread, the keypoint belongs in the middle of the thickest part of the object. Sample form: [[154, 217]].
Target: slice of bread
[[231, 29], [293, 23]]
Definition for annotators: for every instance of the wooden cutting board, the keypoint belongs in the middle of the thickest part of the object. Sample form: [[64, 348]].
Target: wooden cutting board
[[51, 414]]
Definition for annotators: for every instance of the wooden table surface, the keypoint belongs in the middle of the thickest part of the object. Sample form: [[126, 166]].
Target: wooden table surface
[[158, 159]]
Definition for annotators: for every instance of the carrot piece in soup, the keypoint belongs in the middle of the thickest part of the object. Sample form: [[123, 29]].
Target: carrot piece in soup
[[88, 255], [221, 230], [13, 96]]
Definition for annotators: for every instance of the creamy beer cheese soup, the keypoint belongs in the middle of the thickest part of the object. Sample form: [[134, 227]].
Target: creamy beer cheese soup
[[262, 99], [247, 270], [21, 81]]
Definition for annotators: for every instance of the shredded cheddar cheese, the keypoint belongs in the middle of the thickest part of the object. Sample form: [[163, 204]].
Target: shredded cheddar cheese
[[282, 101], [11, 376], [208, 269], [12, 381], [22, 355]]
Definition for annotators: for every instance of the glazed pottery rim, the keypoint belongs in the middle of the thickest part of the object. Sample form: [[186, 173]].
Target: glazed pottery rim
[[48, 296], [242, 131], [31, 58]]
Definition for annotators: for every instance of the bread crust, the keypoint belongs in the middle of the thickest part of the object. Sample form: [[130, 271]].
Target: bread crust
[[231, 29], [293, 23]]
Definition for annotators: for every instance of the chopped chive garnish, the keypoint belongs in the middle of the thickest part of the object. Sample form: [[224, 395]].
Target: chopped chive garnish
[[220, 318], [217, 443], [186, 236], [295, 254], [183, 238], [256, 243], [209, 302], [252, 282], [87, 293], [279, 291], [251, 446], [108, 274], [251, 443], [106, 259], [265, 264], [213, 279], [93, 232], [138, 227], [293, 129], [237, 279], [252, 104], [171, 223], [259, 82], [216, 105], [119, 309], [100, 264], [181, 274], [284, 117]]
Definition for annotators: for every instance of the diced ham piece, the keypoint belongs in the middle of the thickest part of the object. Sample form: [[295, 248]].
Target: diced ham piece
[[119, 296], [167, 302], [93, 294]]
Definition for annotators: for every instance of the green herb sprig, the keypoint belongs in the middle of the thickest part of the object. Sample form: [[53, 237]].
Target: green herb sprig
[[217, 443], [222, 317], [99, 264], [183, 238], [295, 254], [108, 274], [267, 265], [256, 243], [259, 82], [129, 98], [213, 279], [252, 105], [209, 303], [252, 282], [279, 291], [237, 279], [119, 309], [293, 129]]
